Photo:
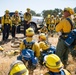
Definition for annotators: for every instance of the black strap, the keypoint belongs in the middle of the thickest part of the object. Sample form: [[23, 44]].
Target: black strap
[[70, 22]]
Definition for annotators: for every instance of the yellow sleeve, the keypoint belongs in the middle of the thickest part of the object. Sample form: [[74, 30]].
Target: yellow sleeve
[[59, 26], [43, 46], [2, 20], [10, 22], [19, 19], [22, 46], [36, 49]]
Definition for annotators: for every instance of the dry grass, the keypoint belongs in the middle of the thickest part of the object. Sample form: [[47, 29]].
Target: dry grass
[[6, 61]]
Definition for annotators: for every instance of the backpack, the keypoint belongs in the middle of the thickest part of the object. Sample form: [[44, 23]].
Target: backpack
[[28, 45], [70, 40]]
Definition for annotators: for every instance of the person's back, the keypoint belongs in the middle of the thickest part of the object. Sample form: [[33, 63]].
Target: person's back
[[29, 43]]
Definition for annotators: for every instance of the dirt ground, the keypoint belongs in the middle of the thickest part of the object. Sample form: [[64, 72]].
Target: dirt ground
[[5, 61]]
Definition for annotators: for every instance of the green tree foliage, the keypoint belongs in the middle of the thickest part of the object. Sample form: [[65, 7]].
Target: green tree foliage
[[33, 13], [75, 9]]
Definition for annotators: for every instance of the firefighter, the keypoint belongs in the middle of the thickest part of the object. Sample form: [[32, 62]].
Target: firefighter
[[48, 21], [74, 20], [6, 25], [57, 20], [43, 29], [54, 65], [52, 25], [65, 26], [15, 23], [62, 17], [45, 47], [18, 68], [43, 42], [27, 19], [28, 43]]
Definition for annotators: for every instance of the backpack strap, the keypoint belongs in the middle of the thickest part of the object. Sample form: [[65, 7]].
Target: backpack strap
[[70, 22], [28, 45]]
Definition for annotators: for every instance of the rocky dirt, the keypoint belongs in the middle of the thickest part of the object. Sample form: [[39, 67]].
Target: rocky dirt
[[5, 61]]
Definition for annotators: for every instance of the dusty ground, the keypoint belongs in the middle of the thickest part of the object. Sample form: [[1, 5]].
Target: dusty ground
[[6, 61]]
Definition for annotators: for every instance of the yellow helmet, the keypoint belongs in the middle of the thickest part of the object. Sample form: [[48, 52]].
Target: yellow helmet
[[52, 15], [42, 36], [16, 11], [28, 9], [57, 16], [7, 11], [53, 62], [29, 32], [48, 16], [70, 10], [18, 68]]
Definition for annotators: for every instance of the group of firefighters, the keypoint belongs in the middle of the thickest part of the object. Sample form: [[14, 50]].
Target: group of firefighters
[[12, 23], [54, 62]]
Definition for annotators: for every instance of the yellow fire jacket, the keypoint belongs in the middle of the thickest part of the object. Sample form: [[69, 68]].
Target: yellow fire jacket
[[64, 26], [6, 20], [16, 19], [35, 46], [43, 45], [47, 20], [27, 16]]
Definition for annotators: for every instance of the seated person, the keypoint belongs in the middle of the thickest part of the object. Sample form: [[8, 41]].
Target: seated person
[[18, 68], [54, 65]]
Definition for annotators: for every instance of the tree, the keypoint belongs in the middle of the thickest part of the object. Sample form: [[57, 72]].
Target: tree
[[38, 14], [33, 12], [75, 9]]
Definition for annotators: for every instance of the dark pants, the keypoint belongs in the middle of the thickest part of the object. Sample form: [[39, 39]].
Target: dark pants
[[13, 30], [26, 26], [6, 31], [62, 51]]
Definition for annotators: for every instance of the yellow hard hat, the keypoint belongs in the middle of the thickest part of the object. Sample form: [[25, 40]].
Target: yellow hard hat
[[52, 15], [7, 11], [18, 68], [57, 16], [16, 11], [29, 32], [48, 16], [70, 10], [28, 9], [53, 62], [42, 36]]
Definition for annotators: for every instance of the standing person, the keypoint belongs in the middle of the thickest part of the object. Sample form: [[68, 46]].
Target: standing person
[[52, 25], [65, 26], [48, 21], [54, 65], [27, 19], [57, 19], [6, 25], [15, 23]]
